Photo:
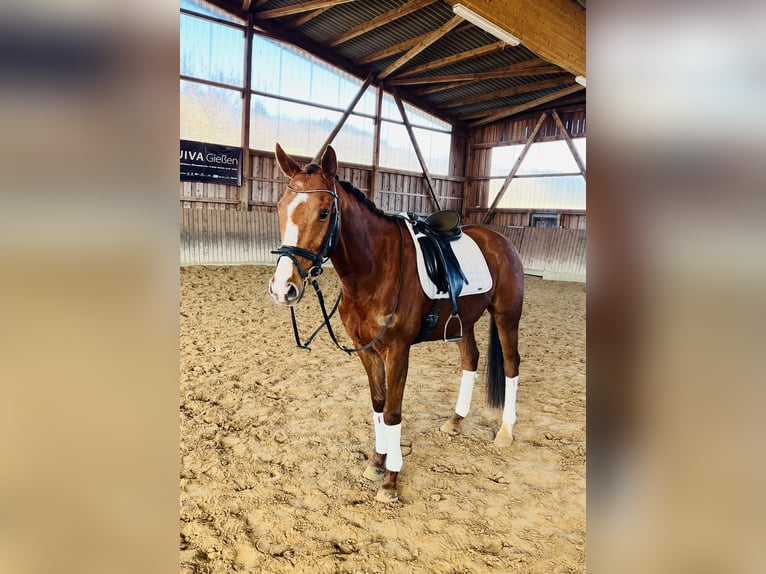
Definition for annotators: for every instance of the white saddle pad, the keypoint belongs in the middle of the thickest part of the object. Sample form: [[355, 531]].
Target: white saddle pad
[[471, 261]]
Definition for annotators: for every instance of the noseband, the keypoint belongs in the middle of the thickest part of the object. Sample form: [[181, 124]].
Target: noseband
[[327, 248]]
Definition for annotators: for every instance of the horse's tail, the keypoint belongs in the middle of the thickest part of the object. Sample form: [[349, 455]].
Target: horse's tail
[[495, 370]]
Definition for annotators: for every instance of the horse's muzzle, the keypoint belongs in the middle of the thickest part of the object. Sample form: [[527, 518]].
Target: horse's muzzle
[[287, 294]]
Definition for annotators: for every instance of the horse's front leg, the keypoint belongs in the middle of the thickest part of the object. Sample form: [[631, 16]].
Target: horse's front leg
[[469, 360], [396, 362], [376, 375]]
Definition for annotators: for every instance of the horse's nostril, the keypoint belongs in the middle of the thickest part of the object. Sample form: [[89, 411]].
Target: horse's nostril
[[292, 292]]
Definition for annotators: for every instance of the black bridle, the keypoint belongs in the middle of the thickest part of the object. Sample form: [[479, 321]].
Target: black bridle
[[327, 248], [329, 244]]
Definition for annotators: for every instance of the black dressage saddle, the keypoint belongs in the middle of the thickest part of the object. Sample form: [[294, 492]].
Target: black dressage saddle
[[438, 231], [445, 223]]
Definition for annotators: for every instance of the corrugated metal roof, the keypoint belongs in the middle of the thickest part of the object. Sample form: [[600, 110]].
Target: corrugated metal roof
[[320, 29]]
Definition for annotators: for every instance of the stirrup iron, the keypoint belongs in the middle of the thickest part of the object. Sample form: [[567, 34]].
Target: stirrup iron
[[460, 322]]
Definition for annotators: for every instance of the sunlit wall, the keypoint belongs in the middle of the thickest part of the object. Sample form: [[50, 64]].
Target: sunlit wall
[[547, 177]]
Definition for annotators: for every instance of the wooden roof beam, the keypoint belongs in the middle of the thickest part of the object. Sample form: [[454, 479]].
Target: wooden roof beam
[[391, 50], [402, 46], [436, 64], [385, 18], [490, 117], [422, 45], [299, 8], [514, 91], [301, 20], [552, 29], [440, 88], [521, 69]]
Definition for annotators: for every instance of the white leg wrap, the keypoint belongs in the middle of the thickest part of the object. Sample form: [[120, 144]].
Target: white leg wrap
[[380, 437], [393, 442], [509, 410], [466, 390]]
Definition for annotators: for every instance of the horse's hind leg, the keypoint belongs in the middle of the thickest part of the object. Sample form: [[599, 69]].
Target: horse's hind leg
[[469, 359], [508, 333]]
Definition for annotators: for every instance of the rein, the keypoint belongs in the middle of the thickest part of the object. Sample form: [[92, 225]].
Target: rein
[[318, 259]]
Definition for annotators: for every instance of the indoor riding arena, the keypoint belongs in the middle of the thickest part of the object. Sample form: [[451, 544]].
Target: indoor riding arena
[[430, 105]]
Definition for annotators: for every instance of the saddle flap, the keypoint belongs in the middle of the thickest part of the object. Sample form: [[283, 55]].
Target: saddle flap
[[434, 264], [442, 266]]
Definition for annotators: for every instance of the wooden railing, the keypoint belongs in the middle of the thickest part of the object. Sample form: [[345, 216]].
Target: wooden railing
[[229, 237]]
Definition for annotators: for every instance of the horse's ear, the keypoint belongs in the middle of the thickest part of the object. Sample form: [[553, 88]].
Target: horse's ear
[[329, 163], [287, 164]]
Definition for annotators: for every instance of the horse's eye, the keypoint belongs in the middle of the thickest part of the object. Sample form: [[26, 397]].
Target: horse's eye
[[324, 214]]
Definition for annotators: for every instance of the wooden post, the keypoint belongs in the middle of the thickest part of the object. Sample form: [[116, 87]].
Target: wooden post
[[376, 145], [246, 96], [514, 169], [469, 152], [568, 139], [415, 145], [344, 117]]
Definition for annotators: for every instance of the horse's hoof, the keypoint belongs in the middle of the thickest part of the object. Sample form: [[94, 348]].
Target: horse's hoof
[[387, 496], [450, 428], [374, 473], [504, 437]]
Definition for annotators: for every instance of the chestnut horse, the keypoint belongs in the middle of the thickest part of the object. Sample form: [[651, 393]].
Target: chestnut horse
[[382, 303]]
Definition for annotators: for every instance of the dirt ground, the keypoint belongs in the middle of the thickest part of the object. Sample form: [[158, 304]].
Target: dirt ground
[[274, 441]]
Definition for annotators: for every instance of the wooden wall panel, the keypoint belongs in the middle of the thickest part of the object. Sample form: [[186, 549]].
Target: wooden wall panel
[[396, 192], [400, 192], [534, 250], [517, 131], [573, 220], [556, 254], [210, 195], [267, 181], [215, 229], [515, 234], [228, 237], [458, 148], [523, 217], [566, 255]]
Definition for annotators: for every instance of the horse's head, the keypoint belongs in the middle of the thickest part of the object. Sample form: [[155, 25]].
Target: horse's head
[[308, 224]]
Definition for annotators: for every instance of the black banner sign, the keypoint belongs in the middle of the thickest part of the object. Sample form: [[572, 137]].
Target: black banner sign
[[211, 163]]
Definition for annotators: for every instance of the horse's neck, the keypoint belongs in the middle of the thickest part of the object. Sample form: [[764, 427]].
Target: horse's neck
[[359, 254]]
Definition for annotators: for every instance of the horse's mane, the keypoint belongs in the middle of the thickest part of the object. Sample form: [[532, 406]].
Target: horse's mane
[[355, 193], [364, 200]]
